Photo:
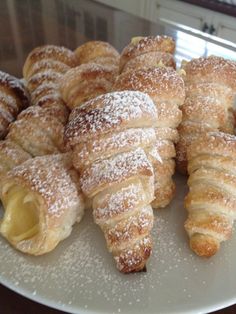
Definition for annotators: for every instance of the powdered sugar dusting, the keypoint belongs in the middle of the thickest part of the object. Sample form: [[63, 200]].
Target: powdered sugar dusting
[[11, 155], [85, 278], [156, 82], [48, 176], [115, 170], [110, 112], [123, 200]]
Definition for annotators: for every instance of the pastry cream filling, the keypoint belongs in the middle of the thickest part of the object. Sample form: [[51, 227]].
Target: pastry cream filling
[[136, 40], [160, 64], [20, 220]]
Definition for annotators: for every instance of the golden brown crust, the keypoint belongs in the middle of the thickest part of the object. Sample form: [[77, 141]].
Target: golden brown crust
[[210, 90], [109, 144], [161, 84], [85, 82], [37, 132], [166, 88], [43, 70], [134, 260], [206, 110], [142, 45], [150, 60], [44, 65], [211, 200], [55, 183], [163, 194], [111, 112], [213, 68], [204, 245], [107, 172], [188, 132], [11, 155], [48, 52], [108, 136], [13, 99], [56, 109], [95, 49], [214, 143]]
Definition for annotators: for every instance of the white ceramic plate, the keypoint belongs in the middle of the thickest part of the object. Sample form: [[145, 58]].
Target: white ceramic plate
[[80, 276]]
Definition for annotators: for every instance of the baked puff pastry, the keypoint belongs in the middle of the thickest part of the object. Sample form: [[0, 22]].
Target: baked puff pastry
[[86, 82], [211, 199], [146, 52], [96, 51], [210, 93], [42, 201], [13, 99], [37, 132], [108, 135], [11, 155], [43, 71], [166, 88]]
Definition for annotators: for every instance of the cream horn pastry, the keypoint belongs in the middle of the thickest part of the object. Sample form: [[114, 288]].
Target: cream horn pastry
[[43, 69], [146, 52], [96, 51], [42, 201], [166, 88], [210, 93], [108, 136], [211, 200], [13, 99]]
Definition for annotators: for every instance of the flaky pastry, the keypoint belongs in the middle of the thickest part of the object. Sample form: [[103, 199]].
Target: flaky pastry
[[42, 201], [210, 92], [86, 82], [211, 199], [13, 99], [166, 88], [144, 51], [108, 136]]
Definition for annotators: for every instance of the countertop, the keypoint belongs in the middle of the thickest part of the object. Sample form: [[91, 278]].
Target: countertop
[[27, 24]]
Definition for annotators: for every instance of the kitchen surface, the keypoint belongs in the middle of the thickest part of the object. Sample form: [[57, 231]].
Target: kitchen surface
[[199, 28]]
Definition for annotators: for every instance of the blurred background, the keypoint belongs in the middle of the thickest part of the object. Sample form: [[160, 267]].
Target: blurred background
[[26, 24]]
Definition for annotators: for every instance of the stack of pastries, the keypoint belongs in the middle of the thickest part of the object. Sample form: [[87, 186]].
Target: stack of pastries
[[39, 129], [116, 149]]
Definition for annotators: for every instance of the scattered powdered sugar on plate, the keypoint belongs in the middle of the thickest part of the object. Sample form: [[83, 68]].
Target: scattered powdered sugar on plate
[[79, 276]]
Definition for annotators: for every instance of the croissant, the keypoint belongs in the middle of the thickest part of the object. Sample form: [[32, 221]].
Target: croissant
[[210, 92], [145, 52], [86, 82], [13, 99], [166, 88], [211, 198], [96, 51], [108, 135], [43, 71], [42, 201], [37, 132]]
